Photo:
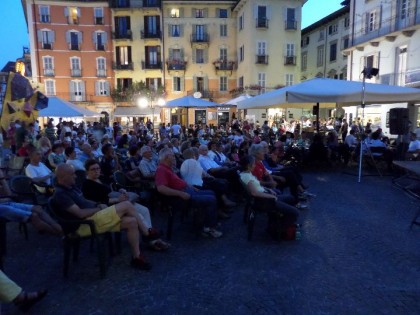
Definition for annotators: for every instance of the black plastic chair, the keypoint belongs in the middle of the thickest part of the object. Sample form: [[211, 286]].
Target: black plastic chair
[[25, 191], [71, 241], [249, 211]]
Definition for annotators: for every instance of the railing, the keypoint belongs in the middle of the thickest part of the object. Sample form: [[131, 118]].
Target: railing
[[101, 73], [200, 38], [118, 35], [290, 25], [151, 3], [151, 35], [118, 66], [76, 72], [100, 47], [261, 59], [125, 4], [262, 23], [204, 93], [49, 72], [224, 65], [407, 78], [290, 60], [119, 4], [46, 46], [74, 47], [176, 64], [145, 65], [99, 20]]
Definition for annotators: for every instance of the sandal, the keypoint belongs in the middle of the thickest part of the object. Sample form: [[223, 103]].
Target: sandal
[[159, 245], [27, 300]]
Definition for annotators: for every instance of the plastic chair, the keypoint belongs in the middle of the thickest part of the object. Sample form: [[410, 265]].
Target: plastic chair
[[24, 191]]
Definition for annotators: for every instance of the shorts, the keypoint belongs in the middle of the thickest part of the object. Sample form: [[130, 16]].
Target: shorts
[[106, 220]]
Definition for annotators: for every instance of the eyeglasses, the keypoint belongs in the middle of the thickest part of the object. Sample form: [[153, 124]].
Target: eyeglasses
[[95, 169]]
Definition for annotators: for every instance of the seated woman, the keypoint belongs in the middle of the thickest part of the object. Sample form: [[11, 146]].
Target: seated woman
[[267, 198], [109, 163], [56, 156], [71, 159], [93, 189]]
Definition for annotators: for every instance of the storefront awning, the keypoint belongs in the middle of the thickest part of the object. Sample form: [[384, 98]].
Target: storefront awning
[[133, 111]]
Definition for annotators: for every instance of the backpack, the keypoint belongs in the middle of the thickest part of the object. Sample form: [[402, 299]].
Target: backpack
[[276, 229]]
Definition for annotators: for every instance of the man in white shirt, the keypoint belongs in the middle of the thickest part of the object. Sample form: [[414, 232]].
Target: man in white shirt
[[176, 131], [413, 148]]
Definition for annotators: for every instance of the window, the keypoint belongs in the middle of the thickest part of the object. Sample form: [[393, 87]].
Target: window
[[177, 84], [122, 27], [289, 79], [346, 42], [175, 30], [72, 14], [333, 52], [200, 33], [369, 61], [48, 65], [75, 67], [199, 13], [102, 88], [320, 56], [291, 19], [262, 16], [175, 13], [123, 55], [153, 56], [261, 48], [153, 83], [223, 54], [332, 29], [223, 86], [100, 39], [223, 30], [47, 38], [99, 16], [199, 55], [49, 87], [152, 25], [321, 35], [372, 21], [405, 9], [44, 14], [346, 22], [77, 91], [241, 22], [124, 83], [290, 50], [261, 79], [74, 40], [241, 82], [241, 53], [101, 67], [304, 61], [305, 41], [223, 13]]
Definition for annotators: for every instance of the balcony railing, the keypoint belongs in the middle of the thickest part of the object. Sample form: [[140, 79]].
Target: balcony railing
[[290, 60], [176, 64], [119, 4], [261, 59], [146, 65], [409, 78], [200, 38], [226, 65], [124, 4], [204, 93], [151, 3], [262, 23], [101, 73], [74, 46], [46, 46], [100, 47], [76, 72], [122, 35], [290, 25], [151, 35], [49, 72], [77, 97], [119, 66]]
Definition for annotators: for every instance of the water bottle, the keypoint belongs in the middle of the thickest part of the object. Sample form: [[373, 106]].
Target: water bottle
[[298, 235]]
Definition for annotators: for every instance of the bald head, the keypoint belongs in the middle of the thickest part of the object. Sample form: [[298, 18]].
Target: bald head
[[65, 174]]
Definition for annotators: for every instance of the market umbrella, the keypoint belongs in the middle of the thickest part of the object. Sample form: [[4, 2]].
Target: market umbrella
[[236, 100]]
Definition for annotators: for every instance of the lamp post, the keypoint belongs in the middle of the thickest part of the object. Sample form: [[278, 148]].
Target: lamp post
[[144, 102]]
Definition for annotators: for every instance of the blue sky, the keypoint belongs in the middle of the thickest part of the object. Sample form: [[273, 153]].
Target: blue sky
[[14, 32]]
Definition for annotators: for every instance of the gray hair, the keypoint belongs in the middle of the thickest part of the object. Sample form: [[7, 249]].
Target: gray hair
[[145, 149], [254, 149], [188, 154], [164, 153]]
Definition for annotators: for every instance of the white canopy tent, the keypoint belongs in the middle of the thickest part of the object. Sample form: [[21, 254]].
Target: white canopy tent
[[329, 93], [236, 100], [58, 107]]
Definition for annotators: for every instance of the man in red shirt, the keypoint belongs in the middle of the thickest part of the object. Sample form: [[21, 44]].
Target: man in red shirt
[[171, 185]]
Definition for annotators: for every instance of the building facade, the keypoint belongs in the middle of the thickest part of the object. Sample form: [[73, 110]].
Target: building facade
[[385, 35]]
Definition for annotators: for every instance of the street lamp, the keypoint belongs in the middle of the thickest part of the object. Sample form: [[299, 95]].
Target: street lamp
[[144, 102]]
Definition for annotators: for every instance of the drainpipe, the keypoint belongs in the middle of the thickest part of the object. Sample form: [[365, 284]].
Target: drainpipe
[[36, 42], [163, 47]]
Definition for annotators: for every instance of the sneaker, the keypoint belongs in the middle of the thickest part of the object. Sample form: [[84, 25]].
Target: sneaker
[[211, 232], [140, 263], [302, 206]]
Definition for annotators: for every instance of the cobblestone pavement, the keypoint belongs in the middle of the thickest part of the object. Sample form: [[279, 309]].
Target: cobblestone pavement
[[356, 256]]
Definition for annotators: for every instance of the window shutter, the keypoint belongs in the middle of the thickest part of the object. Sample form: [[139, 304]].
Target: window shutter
[[128, 23], [82, 87], [206, 55], [117, 55], [39, 34], [181, 30], [105, 37], [107, 89], [181, 12], [193, 12], [217, 12], [182, 54], [129, 53], [268, 12], [51, 35], [194, 83], [71, 88], [206, 13], [365, 19], [78, 12], [94, 12], [97, 87], [170, 30], [171, 53], [80, 37], [206, 83], [255, 11], [194, 55], [68, 37], [66, 12], [94, 37], [379, 18], [182, 83]]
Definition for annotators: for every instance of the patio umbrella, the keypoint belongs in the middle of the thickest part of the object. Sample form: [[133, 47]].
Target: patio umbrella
[[236, 100], [58, 107]]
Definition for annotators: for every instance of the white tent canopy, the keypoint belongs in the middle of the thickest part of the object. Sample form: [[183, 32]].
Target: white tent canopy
[[329, 92], [58, 107], [236, 100]]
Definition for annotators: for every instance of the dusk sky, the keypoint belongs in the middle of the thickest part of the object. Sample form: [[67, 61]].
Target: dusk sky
[[14, 31]]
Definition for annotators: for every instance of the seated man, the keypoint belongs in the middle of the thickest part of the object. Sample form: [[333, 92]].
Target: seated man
[[39, 172], [378, 148], [413, 147], [69, 203], [169, 184], [147, 165]]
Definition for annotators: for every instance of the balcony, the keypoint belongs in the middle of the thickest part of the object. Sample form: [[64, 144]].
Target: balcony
[[152, 4], [290, 25], [77, 97], [119, 66], [204, 93], [122, 35], [76, 72], [261, 60], [261, 23], [119, 4], [147, 65], [74, 46], [200, 38], [176, 65], [49, 72], [100, 47], [46, 46], [290, 60], [99, 20], [224, 65], [151, 35], [101, 73]]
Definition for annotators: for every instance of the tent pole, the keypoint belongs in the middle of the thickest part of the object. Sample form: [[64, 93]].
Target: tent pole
[[363, 133], [317, 117]]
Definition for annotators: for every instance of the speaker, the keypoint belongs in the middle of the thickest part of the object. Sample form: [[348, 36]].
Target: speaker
[[315, 111], [398, 121]]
